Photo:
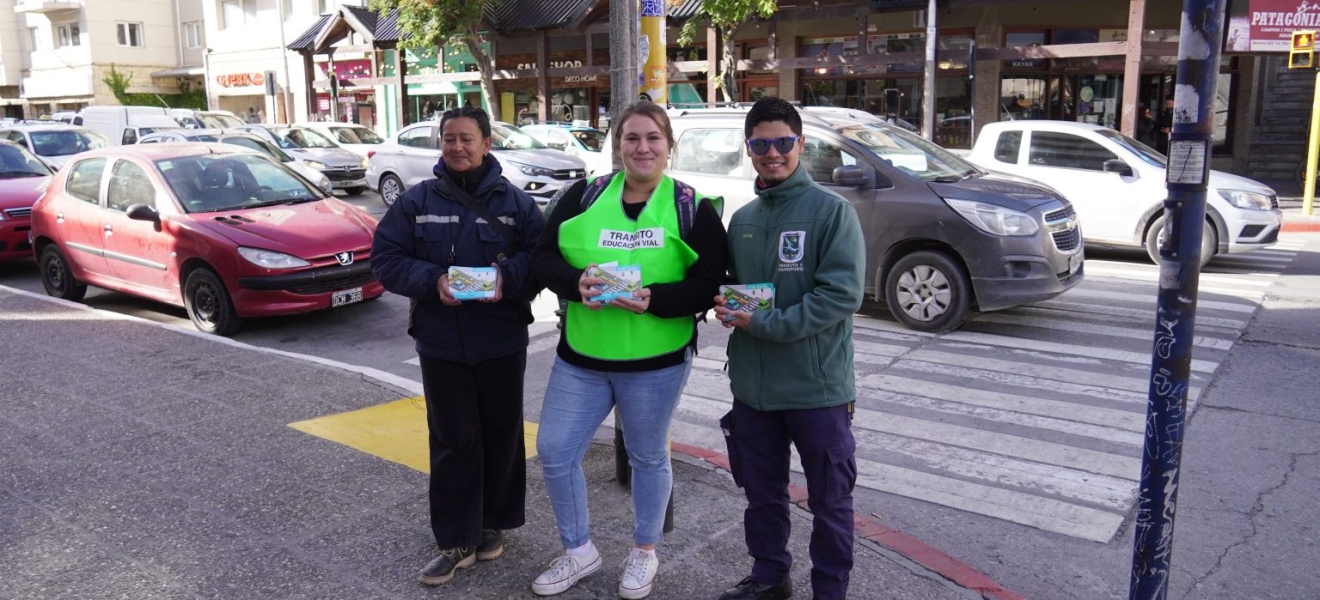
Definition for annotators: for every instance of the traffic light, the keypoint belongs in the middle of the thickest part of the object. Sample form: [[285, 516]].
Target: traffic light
[[1302, 55]]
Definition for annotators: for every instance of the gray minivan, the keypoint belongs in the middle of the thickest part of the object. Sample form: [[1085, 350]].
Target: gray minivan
[[942, 235]]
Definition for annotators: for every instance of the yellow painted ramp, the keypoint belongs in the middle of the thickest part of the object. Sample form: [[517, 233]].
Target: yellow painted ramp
[[395, 431]]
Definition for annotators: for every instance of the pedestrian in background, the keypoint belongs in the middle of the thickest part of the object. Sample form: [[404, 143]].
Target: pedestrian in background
[[1165, 126], [630, 355], [473, 354], [791, 366], [1145, 125]]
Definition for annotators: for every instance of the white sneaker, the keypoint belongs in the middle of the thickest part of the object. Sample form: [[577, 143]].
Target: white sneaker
[[638, 574], [564, 572]]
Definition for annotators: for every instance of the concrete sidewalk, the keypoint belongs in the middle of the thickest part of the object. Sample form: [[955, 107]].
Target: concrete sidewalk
[[1294, 220], [146, 462]]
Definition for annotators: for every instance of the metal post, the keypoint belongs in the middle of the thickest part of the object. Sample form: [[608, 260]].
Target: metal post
[[1180, 255], [928, 87], [1312, 152]]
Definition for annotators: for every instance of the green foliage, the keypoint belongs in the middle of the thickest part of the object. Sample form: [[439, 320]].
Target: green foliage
[[429, 23], [119, 82], [724, 15]]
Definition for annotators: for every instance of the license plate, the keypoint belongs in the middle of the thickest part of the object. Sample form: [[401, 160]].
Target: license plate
[[354, 183], [346, 297], [1075, 262]]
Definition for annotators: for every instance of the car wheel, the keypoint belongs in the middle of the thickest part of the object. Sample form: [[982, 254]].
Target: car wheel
[[208, 303], [1155, 237], [354, 191], [390, 189], [928, 291], [57, 277]]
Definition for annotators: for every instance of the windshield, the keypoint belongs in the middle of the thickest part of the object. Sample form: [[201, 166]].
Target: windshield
[[202, 137], [218, 121], [508, 137], [356, 135], [66, 142], [591, 138], [911, 154], [16, 161], [259, 145], [1144, 152], [149, 130], [219, 182], [300, 137]]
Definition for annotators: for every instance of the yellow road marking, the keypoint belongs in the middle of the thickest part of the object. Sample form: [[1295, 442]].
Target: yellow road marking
[[394, 431]]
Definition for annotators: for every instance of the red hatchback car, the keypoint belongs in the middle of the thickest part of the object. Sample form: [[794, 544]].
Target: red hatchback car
[[23, 177], [221, 230]]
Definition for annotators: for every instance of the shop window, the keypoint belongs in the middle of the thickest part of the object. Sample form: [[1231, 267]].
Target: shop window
[[821, 157], [711, 151], [1008, 146], [66, 35], [130, 34], [1068, 151]]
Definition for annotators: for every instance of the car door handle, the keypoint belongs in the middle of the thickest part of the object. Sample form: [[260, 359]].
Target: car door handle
[[109, 228], [59, 217]]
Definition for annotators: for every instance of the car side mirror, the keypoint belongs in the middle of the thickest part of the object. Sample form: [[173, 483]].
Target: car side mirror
[[142, 212], [1116, 165], [853, 176]]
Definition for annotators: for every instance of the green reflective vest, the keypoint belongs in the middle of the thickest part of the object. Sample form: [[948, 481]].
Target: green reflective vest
[[603, 233]]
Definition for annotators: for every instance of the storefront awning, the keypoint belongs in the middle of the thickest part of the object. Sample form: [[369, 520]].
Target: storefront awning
[[522, 15], [197, 71]]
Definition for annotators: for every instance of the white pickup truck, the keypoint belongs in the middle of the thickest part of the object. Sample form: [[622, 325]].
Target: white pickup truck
[[1116, 185]]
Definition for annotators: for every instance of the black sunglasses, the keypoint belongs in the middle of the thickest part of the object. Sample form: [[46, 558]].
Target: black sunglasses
[[784, 145]]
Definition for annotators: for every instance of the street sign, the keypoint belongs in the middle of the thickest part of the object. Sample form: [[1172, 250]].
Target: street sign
[[1302, 53]]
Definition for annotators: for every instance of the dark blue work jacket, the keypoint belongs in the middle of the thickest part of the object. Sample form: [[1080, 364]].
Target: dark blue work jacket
[[426, 231]]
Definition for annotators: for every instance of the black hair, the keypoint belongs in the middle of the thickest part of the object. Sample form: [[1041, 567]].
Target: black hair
[[770, 109], [468, 112]]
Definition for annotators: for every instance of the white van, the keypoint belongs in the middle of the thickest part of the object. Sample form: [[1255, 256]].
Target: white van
[[125, 124]]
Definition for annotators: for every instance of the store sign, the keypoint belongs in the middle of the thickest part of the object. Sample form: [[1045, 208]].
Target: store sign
[[554, 64], [241, 80], [1267, 25], [581, 78]]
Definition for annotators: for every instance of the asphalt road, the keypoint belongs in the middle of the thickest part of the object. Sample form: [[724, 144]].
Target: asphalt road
[[1013, 444]]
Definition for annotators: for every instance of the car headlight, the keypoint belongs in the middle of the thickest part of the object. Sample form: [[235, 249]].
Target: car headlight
[[271, 259], [319, 166], [364, 164], [534, 171], [995, 220], [323, 182], [1246, 200]]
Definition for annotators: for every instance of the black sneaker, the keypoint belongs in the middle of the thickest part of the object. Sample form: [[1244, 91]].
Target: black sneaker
[[492, 545], [749, 589], [441, 569]]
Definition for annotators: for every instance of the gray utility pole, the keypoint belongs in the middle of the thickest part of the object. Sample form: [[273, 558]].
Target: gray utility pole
[[928, 86], [1180, 274], [625, 30]]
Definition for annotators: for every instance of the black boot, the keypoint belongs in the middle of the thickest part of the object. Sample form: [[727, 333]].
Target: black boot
[[748, 589], [492, 545], [442, 568]]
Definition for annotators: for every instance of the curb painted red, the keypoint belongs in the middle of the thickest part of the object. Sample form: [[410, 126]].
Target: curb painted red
[[1301, 226], [913, 549]]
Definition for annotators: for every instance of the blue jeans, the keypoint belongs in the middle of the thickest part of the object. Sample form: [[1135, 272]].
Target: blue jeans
[[576, 402]]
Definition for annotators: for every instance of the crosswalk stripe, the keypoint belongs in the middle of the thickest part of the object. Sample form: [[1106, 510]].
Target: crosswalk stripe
[[872, 359], [1067, 411], [1103, 386], [1062, 455], [1201, 365], [879, 349], [1034, 511], [1135, 313], [1153, 273], [1109, 492], [1251, 258], [880, 325], [1151, 298], [1094, 328], [995, 415], [707, 363], [1206, 284]]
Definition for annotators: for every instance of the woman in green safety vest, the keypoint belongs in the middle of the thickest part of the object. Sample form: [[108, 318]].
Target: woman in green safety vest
[[660, 249]]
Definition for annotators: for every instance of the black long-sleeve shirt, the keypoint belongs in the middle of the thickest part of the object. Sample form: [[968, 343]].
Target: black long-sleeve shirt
[[693, 294]]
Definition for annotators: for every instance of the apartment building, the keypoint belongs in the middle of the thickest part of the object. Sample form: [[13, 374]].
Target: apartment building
[[246, 42], [65, 49]]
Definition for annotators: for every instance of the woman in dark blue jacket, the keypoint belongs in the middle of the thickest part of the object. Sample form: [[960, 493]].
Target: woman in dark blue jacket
[[474, 353]]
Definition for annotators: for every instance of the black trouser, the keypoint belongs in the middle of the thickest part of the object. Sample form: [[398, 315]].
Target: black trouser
[[824, 440], [478, 461]]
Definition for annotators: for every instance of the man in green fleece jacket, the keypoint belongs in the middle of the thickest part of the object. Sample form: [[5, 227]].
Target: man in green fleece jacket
[[791, 366]]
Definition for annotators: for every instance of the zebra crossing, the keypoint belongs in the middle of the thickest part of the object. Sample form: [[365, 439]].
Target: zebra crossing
[[1034, 415]]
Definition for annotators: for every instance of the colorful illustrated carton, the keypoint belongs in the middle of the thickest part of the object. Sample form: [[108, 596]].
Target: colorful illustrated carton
[[750, 297], [621, 281], [472, 283]]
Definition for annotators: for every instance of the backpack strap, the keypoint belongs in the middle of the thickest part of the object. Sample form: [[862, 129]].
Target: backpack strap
[[685, 200], [595, 188]]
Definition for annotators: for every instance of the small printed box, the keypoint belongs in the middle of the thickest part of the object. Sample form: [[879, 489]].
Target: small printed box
[[472, 283], [621, 281], [750, 297]]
